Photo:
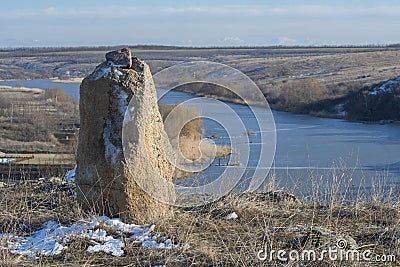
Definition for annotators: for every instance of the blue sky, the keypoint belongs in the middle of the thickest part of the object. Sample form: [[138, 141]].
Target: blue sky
[[198, 23]]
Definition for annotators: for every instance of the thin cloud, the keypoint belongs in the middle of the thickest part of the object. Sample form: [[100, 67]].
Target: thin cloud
[[231, 39], [243, 10], [283, 40]]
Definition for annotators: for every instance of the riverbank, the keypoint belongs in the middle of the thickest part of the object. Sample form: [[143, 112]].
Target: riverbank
[[19, 89], [67, 80], [378, 102]]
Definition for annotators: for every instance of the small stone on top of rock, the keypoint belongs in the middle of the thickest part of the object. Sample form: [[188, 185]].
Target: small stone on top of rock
[[120, 58]]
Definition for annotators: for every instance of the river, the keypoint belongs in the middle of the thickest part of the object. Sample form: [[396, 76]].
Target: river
[[315, 157]]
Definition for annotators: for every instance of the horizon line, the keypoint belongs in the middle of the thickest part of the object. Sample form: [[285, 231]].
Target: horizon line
[[372, 45]]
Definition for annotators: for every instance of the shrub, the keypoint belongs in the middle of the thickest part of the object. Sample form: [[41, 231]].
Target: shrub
[[5, 103], [383, 106], [297, 95], [57, 94], [193, 129]]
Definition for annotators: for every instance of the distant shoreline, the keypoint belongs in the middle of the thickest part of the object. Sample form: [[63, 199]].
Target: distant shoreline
[[20, 89], [68, 80]]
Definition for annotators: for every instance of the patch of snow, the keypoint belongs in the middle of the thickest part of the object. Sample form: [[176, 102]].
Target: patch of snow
[[111, 246], [340, 110], [50, 240], [387, 87], [122, 98], [110, 150], [137, 231], [70, 175], [6, 160], [222, 73], [185, 63], [231, 216], [167, 244], [112, 142], [101, 72], [112, 64], [117, 73]]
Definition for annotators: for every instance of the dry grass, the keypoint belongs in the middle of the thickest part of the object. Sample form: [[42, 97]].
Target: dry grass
[[206, 238], [197, 150], [33, 120], [68, 80], [45, 159], [185, 130]]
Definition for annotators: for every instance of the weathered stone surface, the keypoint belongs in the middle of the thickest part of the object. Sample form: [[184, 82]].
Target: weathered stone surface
[[120, 58], [107, 183]]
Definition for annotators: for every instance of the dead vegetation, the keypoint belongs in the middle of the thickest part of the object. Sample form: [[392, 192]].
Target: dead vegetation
[[37, 120], [187, 123], [298, 95], [272, 220]]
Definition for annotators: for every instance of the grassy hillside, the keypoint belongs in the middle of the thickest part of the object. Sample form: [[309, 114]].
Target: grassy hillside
[[291, 78], [209, 235]]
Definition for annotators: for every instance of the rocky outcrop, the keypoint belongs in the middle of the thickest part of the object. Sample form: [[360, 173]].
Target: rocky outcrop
[[107, 182]]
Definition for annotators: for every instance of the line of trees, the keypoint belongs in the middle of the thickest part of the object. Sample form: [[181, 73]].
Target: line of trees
[[167, 47]]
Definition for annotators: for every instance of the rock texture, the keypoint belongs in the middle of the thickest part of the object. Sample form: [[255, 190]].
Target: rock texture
[[107, 182], [120, 58]]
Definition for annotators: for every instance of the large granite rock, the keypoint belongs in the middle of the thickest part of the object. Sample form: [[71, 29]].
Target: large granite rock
[[107, 182]]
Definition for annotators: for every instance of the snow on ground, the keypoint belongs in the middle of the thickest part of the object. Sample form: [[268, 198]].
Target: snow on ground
[[340, 110], [387, 87], [6, 160], [70, 175], [54, 237], [231, 216]]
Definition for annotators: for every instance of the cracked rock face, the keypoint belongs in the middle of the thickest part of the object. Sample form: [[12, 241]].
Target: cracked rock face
[[120, 58], [107, 182]]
